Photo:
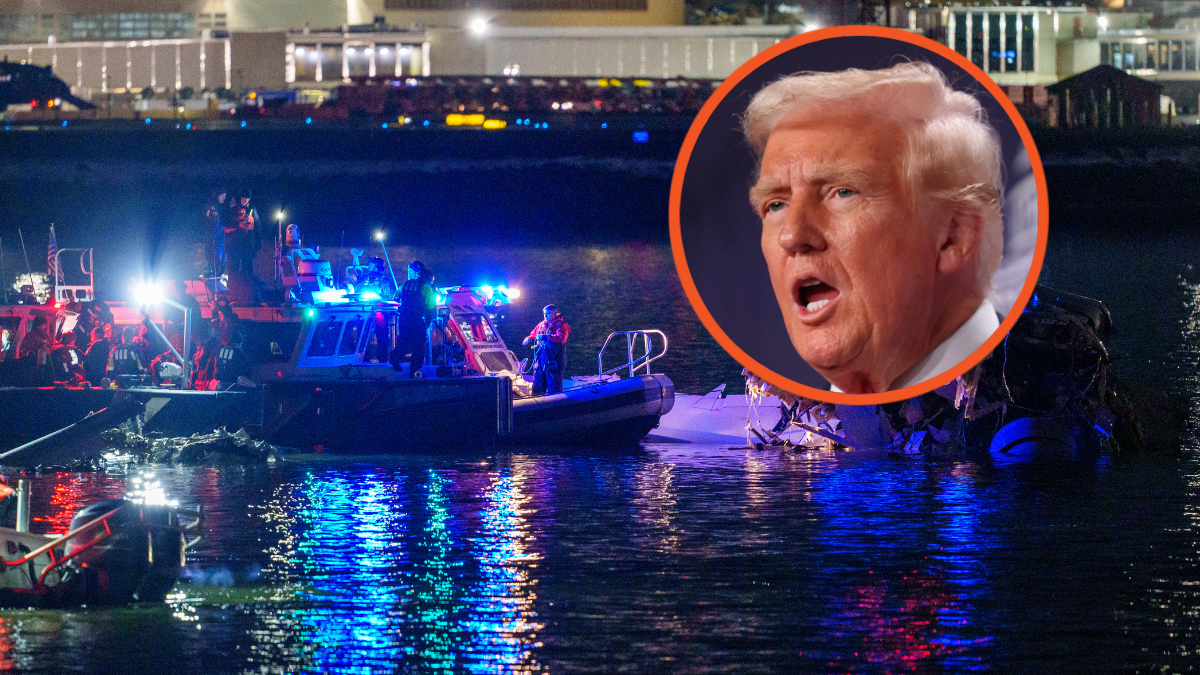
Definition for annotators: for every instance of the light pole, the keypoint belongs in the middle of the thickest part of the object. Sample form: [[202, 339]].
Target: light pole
[[149, 294]]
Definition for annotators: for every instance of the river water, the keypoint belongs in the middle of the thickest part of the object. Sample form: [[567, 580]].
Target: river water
[[679, 558]]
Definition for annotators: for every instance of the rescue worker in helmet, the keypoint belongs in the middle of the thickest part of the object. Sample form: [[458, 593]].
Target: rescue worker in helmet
[[549, 340], [125, 358], [232, 362], [418, 305]]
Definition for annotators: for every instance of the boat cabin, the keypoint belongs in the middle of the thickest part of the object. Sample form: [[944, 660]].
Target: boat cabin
[[354, 340], [17, 320]]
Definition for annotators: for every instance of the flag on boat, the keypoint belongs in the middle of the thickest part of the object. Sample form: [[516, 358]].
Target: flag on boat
[[53, 274]]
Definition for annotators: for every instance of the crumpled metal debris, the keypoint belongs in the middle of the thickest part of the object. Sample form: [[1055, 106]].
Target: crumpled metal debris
[[218, 447]]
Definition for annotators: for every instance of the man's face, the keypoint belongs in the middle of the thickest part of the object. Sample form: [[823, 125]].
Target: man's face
[[852, 262], [549, 314]]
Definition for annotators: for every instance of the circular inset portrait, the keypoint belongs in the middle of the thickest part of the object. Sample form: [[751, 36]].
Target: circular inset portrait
[[858, 215]]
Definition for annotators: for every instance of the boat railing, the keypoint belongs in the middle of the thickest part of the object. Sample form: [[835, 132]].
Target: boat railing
[[636, 341], [52, 548]]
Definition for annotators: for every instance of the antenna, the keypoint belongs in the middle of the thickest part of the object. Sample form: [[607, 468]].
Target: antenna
[[28, 270]]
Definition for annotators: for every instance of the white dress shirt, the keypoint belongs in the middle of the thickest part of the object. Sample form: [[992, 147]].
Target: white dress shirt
[[961, 344]]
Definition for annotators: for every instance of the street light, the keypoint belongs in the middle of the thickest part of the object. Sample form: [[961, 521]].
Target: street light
[[379, 237], [148, 294], [478, 26]]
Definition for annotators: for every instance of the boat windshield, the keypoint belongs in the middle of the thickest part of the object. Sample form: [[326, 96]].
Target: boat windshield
[[476, 328], [380, 336], [351, 337], [325, 338]]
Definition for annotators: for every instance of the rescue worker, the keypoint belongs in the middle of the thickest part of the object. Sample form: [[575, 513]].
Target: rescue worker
[[95, 361], [124, 358], [141, 342], [549, 339], [204, 360], [418, 305], [34, 355], [215, 215], [67, 360], [241, 242], [232, 362]]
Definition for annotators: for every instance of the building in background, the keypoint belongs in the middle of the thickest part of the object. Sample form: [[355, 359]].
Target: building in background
[[106, 47]]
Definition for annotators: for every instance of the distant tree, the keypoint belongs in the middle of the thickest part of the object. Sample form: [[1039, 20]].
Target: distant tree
[[147, 93], [223, 93], [186, 93]]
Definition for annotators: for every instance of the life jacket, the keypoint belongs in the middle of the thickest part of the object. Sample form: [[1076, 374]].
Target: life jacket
[[416, 296], [231, 363], [126, 361]]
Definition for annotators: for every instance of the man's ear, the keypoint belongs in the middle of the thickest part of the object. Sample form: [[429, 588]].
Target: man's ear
[[959, 245]]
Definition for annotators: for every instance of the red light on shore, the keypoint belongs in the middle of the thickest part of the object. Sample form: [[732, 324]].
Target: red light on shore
[[33, 103]]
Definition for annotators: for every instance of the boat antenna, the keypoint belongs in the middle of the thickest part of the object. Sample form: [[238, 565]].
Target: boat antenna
[[28, 269], [3, 276], [379, 237], [338, 279]]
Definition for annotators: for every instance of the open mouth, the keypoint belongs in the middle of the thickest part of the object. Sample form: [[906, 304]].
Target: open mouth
[[813, 295]]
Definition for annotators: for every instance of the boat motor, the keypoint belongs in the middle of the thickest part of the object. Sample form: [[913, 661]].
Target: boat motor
[[141, 558]]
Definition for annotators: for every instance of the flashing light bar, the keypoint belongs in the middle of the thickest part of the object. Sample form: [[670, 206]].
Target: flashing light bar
[[330, 296], [490, 295]]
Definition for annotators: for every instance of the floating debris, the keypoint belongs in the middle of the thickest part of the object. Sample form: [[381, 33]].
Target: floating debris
[[218, 447]]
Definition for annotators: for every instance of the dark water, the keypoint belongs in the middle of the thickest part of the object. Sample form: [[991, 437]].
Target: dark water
[[667, 559]]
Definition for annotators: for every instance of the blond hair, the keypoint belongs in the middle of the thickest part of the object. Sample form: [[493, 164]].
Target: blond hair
[[951, 153]]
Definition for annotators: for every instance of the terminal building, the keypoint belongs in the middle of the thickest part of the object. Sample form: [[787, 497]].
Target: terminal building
[[105, 47]]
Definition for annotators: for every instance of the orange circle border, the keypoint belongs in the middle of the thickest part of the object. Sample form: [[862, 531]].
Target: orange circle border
[[689, 286]]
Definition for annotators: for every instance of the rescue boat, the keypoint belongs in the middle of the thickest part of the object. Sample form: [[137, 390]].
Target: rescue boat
[[340, 391], [323, 378]]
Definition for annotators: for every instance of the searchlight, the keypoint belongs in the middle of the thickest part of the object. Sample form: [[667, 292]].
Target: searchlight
[[147, 293]]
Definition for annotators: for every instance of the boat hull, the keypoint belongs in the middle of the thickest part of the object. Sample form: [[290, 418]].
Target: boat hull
[[355, 416], [620, 412]]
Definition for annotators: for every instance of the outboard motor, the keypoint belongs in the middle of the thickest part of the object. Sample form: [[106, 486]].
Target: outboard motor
[[137, 557]]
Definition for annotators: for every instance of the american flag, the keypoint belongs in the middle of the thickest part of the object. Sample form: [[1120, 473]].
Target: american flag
[[53, 274]]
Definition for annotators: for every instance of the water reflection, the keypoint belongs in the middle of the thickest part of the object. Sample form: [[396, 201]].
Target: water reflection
[[903, 548], [502, 617], [724, 560], [389, 569]]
